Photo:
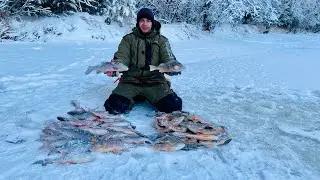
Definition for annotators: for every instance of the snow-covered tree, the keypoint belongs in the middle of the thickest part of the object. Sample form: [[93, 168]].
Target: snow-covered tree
[[35, 8], [60, 6], [170, 11], [286, 17], [263, 12], [296, 14], [291, 14], [24, 7], [3, 5], [120, 11], [305, 14]]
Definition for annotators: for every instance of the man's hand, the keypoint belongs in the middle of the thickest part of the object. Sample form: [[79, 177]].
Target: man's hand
[[112, 73], [173, 73]]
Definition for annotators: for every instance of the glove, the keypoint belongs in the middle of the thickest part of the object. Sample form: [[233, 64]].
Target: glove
[[112, 73], [173, 73]]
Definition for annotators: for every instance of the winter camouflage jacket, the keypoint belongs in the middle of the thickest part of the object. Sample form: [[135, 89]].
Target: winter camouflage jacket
[[138, 52]]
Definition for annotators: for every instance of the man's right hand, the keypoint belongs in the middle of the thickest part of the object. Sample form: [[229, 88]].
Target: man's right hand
[[112, 73]]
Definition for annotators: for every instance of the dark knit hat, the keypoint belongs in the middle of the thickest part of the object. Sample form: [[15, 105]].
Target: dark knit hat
[[145, 13]]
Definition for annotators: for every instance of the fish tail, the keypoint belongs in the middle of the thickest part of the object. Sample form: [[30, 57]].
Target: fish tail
[[152, 67], [89, 70], [60, 118], [76, 104], [43, 162]]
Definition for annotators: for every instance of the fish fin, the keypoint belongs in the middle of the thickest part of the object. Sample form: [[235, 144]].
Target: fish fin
[[76, 112], [60, 118], [16, 142], [152, 67], [43, 162], [75, 103], [90, 69], [168, 78]]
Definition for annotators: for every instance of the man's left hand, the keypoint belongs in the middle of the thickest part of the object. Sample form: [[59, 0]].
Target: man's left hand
[[173, 73]]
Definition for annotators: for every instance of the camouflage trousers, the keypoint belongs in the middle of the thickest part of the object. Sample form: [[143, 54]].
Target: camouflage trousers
[[152, 93], [160, 95]]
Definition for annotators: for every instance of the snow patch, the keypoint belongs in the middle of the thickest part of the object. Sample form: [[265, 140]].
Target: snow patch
[[312, 133]]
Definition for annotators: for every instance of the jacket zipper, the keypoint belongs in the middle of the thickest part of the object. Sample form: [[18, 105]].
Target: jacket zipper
[[145, 52], [137, 59]]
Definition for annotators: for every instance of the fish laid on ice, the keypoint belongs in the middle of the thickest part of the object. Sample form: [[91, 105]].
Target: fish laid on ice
[[192, 130], [168, 143], [178, 128], [45, 137], [196, 119], [63, 118], [82, 110], [107, 66], [19, 141], [124, 129], [116, 124], [55, 143], [85, 123], [68, 132], [136, 140], [173, 122], [69, 160], [161, 128], [50, 131], [200, 128], [171, 66], [95, 131], [215, 143], [83, 113], [86, 130], [113, 146], [205, 137]]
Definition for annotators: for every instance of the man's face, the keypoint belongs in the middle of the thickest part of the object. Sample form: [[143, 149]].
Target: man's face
[[145, 25]]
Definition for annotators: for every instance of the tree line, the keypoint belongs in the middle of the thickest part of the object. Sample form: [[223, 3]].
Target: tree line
[[290, 14]]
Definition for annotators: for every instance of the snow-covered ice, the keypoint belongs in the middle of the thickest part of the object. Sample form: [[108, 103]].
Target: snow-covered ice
[[263, 88]]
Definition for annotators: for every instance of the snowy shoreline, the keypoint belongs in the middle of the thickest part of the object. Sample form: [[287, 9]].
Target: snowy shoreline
[[85, 27], [263, 87]]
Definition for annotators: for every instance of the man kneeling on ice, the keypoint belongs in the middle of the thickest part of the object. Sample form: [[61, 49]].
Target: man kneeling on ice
[[148, 56]]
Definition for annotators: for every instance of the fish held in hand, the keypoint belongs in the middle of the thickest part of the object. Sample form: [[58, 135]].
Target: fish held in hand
[[107, 66], [171, 66]]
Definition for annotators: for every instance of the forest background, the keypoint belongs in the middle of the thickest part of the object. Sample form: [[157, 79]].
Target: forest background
[[292, 15]]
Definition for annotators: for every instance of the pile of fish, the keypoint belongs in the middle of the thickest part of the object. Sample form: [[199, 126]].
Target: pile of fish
[[75, 136], [84, 131], [182, 130]]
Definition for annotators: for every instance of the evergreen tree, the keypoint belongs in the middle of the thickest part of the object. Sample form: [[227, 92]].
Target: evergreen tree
[[120, 11], [289, 14], [36, 8], [3, 5], [286, 14], [60, 6]]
